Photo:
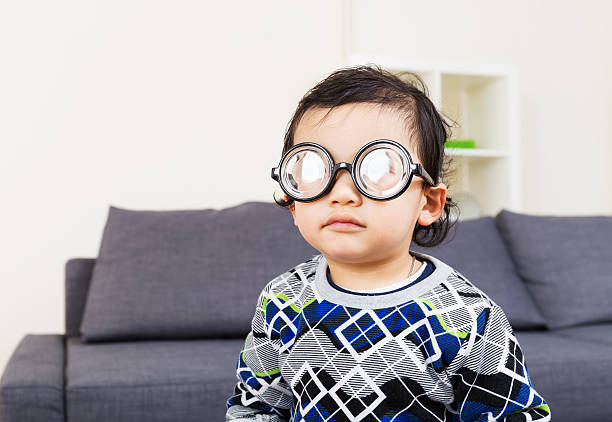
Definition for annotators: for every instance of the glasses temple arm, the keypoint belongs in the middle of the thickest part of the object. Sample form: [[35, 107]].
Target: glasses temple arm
[[421, 172]]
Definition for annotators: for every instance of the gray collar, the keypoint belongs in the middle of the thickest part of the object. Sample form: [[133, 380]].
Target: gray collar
[[327, 292]]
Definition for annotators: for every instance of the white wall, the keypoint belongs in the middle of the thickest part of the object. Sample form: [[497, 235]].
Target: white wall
[[144, 104]]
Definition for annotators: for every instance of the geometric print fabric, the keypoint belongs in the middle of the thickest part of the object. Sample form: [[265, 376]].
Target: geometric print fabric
[[445, 354]]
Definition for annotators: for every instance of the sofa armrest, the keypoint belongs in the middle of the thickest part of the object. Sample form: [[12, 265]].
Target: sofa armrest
[[32, 385]]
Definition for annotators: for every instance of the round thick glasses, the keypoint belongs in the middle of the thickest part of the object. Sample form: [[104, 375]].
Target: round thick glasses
[[381, 170]]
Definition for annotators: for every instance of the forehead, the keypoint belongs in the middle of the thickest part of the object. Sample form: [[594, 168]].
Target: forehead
[[349, 127]]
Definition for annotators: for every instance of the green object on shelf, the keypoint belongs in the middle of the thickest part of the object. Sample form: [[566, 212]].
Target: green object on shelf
[[460, 143]]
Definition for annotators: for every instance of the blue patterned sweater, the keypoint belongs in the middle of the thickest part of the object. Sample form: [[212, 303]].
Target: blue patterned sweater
[[434, 349]]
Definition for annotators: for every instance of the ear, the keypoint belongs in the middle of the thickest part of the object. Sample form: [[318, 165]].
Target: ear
[[292, 209], [434, 199]]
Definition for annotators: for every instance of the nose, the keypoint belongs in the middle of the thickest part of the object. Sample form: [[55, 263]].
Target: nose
[[343, 190]]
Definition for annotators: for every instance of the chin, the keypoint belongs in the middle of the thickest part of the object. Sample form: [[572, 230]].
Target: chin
[[346, 254]]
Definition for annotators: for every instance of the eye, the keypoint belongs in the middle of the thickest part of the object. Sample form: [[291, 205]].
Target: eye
[[313, 168], [393, 168], [381, 171], [376, 165], [305, 172]]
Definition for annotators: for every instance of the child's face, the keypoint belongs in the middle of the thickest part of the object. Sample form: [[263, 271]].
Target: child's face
[[387, 225]]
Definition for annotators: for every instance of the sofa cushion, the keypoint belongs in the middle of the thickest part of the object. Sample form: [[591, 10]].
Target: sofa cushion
[[187, 273], [573, 376], [475, 249], [590, 333], [153, 381], [31, 386], [566, 263]]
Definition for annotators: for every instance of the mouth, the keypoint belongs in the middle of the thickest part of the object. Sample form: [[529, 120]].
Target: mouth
[[344, 226], [343, 223]]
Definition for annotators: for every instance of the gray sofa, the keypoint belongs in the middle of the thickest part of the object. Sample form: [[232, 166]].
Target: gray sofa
[[155, 323]]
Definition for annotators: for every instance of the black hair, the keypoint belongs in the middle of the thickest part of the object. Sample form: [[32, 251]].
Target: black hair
[[372, 84]]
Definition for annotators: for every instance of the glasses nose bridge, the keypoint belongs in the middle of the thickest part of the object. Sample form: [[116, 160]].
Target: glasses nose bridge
[[336, 169], [342, 166]]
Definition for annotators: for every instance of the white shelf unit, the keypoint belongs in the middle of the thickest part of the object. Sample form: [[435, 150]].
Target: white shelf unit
[[483, 100]]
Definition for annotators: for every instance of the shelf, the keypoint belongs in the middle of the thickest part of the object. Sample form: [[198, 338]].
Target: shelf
[[476, 152]]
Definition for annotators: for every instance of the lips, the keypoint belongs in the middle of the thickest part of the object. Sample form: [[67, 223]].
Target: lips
[[343, 218]]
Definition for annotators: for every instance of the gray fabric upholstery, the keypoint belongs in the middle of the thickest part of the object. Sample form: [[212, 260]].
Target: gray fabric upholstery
[[31, 387], [153, 381], [566, 263], [187, 273], [191, 379], [78, 275], [574, 376], [476, 250], [590, 333]]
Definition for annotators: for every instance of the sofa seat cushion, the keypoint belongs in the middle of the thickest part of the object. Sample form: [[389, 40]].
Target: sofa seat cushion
[[595, 333], [573, 376], [31, 386], [566, 263], [476, 249], [181, 274], [153, 381]]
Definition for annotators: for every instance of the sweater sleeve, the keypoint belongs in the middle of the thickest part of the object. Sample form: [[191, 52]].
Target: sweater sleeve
[[489, 375], [261, 393]]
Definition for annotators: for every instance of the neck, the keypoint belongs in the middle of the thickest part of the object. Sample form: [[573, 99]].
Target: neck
[[372, 274]]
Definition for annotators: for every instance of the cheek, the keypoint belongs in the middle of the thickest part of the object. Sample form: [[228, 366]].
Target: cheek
[[307, 220], [396, 220], [309, 230]]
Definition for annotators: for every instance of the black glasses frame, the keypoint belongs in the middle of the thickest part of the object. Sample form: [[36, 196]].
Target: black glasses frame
[[415, 169]]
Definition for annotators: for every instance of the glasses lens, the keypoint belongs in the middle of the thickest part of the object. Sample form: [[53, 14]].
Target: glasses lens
[[382, 171], [305, 172]]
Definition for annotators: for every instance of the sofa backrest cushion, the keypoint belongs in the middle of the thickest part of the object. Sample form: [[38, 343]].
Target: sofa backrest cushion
[[566, 263], [187, 273], [475, 249]]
